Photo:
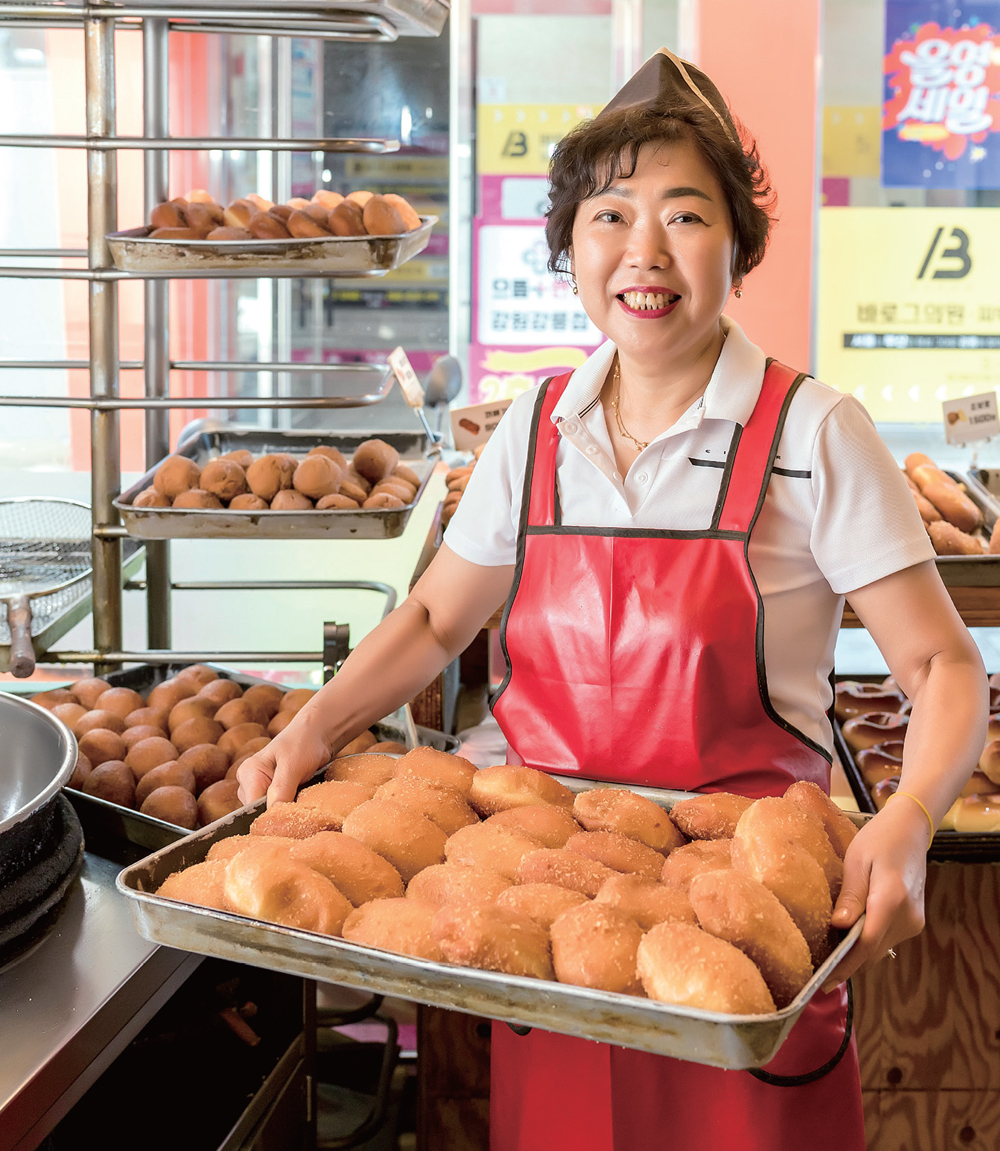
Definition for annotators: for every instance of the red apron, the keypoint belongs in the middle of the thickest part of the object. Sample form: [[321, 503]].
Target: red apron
[[636, 656]]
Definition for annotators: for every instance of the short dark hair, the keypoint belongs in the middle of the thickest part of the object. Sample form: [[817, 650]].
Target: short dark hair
[[596, 153]]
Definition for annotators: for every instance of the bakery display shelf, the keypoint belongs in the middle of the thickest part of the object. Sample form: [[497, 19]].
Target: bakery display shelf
[[356, 256], [333, 523], [728, 1041]]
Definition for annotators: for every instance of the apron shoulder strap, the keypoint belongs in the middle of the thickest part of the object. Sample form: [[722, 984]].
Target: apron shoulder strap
[[538, 499], [754, 447]]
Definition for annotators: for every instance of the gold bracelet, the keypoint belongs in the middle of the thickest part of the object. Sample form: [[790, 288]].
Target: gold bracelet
[[919, 803]]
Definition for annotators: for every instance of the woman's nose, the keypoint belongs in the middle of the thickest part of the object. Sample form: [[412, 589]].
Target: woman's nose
[[648, 247]]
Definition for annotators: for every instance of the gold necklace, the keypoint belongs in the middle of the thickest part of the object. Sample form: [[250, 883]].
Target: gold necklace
[[618, 416]]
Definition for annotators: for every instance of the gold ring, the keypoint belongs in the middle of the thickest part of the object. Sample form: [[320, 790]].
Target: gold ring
[[892, 954]]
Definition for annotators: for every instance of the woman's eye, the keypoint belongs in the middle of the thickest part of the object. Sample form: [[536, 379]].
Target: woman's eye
[[686, 218], [608, 216]]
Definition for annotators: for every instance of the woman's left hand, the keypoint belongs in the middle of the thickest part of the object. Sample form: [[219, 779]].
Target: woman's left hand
[[884, 872]]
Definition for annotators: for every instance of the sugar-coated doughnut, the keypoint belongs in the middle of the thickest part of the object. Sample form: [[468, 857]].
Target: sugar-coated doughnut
[[359, 744], [175, 475], [400, 925], [336, 799], [197, 498], [780, 816], [618, 852], [491, 848], [710, 816], [455, 883], [493, 939], [853, 698], [564, 869], [208, 763], [112, 780], [542, 902], [174, 805], [360, 873], [738, 909], [595, 945], [439, 802], [248, 502], [374, 459], [646, 900], [678, 963], [163, 775], [86, 691], [202, 884], [223, 478], [551, 826], [388, 747], [331, 453], [284, 891], [269, 475], [218, 800], [371, 770], [839, 828], [617, 809], [317, 476], [507, 785], [429, 763], [293, 821], [407, 839], [874, 727], [232, 845], [682, 865]]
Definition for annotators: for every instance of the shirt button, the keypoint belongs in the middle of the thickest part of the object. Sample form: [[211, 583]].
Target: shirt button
[[591, 449], [641, 478], [617, 476], [569, 428]]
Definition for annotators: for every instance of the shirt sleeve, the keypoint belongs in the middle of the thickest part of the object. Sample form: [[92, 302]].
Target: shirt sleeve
[[483, 529], [867, 525]]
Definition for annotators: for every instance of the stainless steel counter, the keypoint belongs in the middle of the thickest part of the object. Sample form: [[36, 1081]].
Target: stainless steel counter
[[71, 1005]]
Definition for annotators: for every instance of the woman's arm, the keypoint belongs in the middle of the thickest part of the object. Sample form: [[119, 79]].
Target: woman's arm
[[936, 663], [449, 604]]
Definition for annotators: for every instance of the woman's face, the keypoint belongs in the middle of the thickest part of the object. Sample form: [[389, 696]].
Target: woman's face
[[653, 255]]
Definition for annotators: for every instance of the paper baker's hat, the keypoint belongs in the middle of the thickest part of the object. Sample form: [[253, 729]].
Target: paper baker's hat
[[666, 80]]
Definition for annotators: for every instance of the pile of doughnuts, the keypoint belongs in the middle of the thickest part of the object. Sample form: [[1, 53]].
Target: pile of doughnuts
[[174, 754], [280, 482], [198, 216], [722, 904], [874, 718], [457, 480], [952, 520]]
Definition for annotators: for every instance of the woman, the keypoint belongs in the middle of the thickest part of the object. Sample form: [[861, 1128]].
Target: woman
[[674, 526]]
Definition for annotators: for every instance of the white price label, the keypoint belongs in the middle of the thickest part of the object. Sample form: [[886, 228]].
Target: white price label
[[402, 369], [474, 425], [971, 418]]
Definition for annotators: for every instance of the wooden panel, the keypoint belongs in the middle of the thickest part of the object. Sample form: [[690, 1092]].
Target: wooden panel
[[453, 1081], [454, 1125], [932, 1120]]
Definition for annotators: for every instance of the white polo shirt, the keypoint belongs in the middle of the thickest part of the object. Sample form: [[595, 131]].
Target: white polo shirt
[[837, 516]]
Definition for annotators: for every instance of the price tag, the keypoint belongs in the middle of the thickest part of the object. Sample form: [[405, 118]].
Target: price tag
[[474, 425], [971, 418], [406, 377]]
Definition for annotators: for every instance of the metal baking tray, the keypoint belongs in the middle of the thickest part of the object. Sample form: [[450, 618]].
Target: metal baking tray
[[334, 523], [947, 846], [134, 251], [973, 571], [407, 17], [124, 834], [728, 1041]]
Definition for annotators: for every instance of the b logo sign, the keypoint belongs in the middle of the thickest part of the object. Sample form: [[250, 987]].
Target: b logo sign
[[960, 252]]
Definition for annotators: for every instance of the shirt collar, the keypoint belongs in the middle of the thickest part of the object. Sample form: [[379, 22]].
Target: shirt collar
[[731, 394]]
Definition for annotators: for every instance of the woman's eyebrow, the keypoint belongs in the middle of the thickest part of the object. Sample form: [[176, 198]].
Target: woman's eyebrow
[[625, 193]]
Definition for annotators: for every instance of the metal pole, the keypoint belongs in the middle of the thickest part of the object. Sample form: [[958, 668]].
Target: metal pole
[[102, 212], [156, 172]]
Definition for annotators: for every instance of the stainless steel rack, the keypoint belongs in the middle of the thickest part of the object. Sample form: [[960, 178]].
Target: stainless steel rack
[[360, 21]]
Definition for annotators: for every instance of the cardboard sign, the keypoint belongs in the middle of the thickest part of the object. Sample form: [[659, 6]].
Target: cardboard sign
[[971, 418], [406, 377], [474, 425]]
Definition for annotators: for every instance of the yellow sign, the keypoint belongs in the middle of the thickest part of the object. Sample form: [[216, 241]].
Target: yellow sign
[[909, 306], [852, 139], [520, 138]]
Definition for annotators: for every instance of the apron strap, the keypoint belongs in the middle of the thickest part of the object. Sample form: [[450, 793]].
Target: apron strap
[[538, 501], [828, 1066]]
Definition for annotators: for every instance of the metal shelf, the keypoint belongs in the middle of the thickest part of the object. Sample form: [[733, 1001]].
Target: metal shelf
[[360, 144]]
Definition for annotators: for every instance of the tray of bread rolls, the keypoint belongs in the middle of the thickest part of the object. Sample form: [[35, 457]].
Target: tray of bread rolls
[[872, 715], [960, 515], [146, 774], [255, 483], [695, 926]]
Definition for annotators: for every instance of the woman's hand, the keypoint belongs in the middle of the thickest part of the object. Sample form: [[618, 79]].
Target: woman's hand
[[884, 872], [284, 765]]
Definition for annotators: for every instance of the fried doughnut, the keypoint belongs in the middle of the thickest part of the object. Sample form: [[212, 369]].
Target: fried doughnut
[[296, 699], [738, 909], [374, 459], [493, 938], [409, 214], [429, 763], [356, 870], [455, 883], [269, 475], [196, 675], [69, 713], [346, 220], [989, 761], [564, 869], [383, 500], [407, 839], [266, 699], [264, 886], [174, 805], [292, 821], [150, 498], [112, 780], [646, 900], [100, 746], [248, 502], [98, 720], [331, 453], [838, 826], [218, 800], [357, 745], [335, 799], [236, 712], [874, 727], [491, 848], [761, 849], [337, 501], [507, 785], [382, 218], [352, 490], [175, 475], [119, 701], [58, 695], [692, 859], [595, 945], [197, 498], [133, 735], [239, 456], [148, 717], [279, 722], [853, 698], [439, 802], [617, 809], [948, 540], [208, 763], [163, 775], [551, 826], [618, 852], [194, 707], [168, 694], [388, 747], [710, 816], [86, 691], [196, 731], [317, 476], [678, 963], [149, 753], [225, 849], [224, 479], [371, 770], [775, 817], [81, 772], [542, 902], [202, 884], [236, 738], [400, 925], [398, 488]]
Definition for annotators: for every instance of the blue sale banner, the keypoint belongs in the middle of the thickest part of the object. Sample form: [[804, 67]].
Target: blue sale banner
[[941, 99]]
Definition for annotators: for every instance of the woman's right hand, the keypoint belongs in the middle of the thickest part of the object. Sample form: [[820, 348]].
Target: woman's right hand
[[279, 769]]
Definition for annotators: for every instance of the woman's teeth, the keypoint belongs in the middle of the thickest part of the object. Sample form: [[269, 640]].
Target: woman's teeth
[[641, 301]]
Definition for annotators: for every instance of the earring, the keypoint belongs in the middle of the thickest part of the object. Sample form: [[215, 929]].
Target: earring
[[576, 290], [738, 293]]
